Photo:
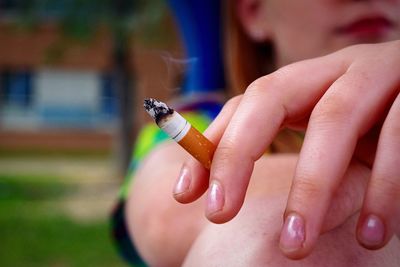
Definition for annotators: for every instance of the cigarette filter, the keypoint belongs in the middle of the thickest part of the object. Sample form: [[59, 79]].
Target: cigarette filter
[[179, 129]]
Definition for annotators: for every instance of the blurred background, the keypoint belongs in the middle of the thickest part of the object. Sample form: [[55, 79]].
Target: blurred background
[[73, 75]]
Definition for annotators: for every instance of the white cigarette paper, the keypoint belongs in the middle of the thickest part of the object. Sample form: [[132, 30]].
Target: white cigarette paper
[[179, 129]]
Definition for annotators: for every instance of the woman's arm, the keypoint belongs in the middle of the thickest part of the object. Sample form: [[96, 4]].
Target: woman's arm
[[252, 238], [162, 229]]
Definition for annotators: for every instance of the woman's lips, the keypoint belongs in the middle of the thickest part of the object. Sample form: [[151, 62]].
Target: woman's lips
[[367, 27]]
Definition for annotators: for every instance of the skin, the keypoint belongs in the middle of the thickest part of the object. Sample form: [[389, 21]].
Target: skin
[[169, 234], [313, 26], [340, 129], [347, 169], [257, 234]]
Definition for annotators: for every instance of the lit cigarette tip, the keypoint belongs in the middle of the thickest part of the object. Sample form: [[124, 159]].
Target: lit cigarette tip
[[157, 109], [180, 130]]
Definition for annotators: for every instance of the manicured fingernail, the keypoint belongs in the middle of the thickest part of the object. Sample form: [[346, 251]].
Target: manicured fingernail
[[183, 183], [215, 198], [372, 231], [293, 233]]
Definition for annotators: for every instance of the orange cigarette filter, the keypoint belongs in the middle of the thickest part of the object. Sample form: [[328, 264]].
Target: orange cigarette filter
[[179, 129]]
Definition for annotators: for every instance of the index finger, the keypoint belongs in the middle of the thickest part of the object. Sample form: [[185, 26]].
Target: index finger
[[286, 95]]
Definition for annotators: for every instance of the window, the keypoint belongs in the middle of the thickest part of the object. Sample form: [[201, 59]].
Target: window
[[16, 89]]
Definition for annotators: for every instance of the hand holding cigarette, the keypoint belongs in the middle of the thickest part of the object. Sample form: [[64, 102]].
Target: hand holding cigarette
[[179, 129], [342, 113]]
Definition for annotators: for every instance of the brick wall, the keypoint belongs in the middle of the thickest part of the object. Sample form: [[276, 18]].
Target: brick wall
[[154, 67]]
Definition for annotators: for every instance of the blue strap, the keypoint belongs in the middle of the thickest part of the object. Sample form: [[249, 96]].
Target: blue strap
[[200, 24]]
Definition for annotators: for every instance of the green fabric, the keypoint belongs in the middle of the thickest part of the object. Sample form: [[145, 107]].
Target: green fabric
[[150, 136]]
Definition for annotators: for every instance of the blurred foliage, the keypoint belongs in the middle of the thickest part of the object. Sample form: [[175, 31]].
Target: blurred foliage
[[81, 19]]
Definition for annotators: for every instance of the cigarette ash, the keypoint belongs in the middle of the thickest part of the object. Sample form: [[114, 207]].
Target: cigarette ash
[[157, 109]]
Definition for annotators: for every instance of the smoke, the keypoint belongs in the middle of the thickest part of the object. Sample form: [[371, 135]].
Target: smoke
[[176, 69]]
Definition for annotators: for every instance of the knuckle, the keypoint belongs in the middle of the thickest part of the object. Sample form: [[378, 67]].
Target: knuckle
[[283, 73], [270, 82], [224, 151], [258, 86], [354, 50], [230, 105], [304, 188], [392, 130], [232, 102], [386, 187], [334, 108]]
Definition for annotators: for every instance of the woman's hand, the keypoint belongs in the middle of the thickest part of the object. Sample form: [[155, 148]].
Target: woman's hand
[[342, 100]]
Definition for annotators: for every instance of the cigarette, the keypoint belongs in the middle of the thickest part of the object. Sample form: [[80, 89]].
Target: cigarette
[[179, 129]]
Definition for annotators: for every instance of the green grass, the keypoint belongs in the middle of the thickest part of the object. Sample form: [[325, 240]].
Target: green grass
[[34, 232], [24, 188]]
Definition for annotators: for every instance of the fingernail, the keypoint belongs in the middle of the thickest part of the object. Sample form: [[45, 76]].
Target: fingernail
[[215, 198], [183, 181], [372, 231], [293, 233]]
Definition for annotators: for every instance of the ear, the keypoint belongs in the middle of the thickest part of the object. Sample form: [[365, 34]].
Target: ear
[[252, 16]]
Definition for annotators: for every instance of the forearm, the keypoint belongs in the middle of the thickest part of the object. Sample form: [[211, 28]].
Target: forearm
[[251, 239], [161, 228], [164, 230]]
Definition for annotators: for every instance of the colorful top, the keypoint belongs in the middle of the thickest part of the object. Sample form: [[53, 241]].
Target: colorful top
[[199, 113]]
